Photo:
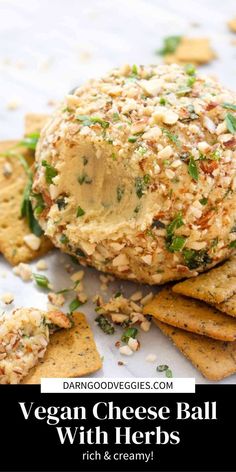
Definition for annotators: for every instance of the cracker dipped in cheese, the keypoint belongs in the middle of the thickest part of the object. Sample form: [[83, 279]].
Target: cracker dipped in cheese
[[136, 173]]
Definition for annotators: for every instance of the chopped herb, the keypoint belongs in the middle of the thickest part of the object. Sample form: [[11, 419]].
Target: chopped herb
[[66, 290], [190, 69], [191, 81], [74, 305], [116, 117], [134, 70], [61, 203], [141, 184], [80, 212], [193, 169], [132, 139], [30, 141], [120, 192], [232, 244], [230, 123], [129, 333], [41, 280], [162, 368], [170, 44], [118, 294], [229, 106], [40, 204], [137, 209], [26, 209], [104, 324], [169, 373], [203, 201], [90, 120], [113, 156], [84, 179], [194, 259], [214, 242], [177, 244], [162, 101], [176, 223], [158, 224], [80, 253], [64, 239], [142, 150], [172, 137], [50, 172]]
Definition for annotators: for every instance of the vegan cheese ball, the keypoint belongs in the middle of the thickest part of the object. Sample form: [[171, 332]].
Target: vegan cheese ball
[[136, 173]]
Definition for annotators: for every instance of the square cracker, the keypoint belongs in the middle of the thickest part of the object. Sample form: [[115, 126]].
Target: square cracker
[[34, 122], [215, 286], [13, 228], [70, 353], [215, 359], [191, 315]]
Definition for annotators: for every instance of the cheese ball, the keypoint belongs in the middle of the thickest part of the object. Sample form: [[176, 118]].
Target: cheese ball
[[136, 173]]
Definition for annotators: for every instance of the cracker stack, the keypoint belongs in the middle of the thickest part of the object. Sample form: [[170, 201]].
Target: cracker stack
[[199, 316]]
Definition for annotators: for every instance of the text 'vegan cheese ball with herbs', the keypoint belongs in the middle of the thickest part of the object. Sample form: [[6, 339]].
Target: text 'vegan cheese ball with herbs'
[[136, 174]]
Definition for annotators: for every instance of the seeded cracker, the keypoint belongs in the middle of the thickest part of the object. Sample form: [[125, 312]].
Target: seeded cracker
[[232, 25], [214, 359], [13, 228], [191, 315], [214, 286], [71, 353]]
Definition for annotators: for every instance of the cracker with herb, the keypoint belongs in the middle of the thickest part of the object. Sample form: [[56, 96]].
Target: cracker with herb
[[34, 122], [191, 315], [214, 359], [215, 286], [15, 163], [71, 353]]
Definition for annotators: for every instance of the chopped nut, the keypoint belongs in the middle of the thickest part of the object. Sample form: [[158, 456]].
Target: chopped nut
[[119, 317], [151, 358], [126, 351], [145, 325], [7, 298], [136, 296], [77, 276], [32, 241], [147, 298], [24, 271], [13, 104], [133, 344], [7, 169], [56, 299], [41, 265]]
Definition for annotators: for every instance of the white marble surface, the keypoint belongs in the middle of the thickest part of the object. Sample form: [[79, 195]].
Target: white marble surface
[[49, 46]]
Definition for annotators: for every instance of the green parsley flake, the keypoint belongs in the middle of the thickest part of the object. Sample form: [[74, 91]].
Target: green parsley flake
[[231, 123], [41, 280], [74, 304], [80, 212], [30, 141], [203, 201], [50, 172], [193, 169], [105, 325], [129, 333], [229, 106], [170, 45], [177, 244]]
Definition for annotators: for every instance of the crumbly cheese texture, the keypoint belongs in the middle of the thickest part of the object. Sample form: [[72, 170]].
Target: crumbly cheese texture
[[136, 173], [24, 337]]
